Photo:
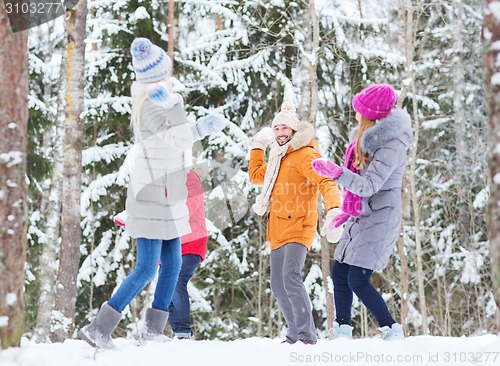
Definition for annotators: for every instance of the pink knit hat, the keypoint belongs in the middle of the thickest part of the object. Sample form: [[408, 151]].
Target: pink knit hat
[[286, 117], [375, 102]]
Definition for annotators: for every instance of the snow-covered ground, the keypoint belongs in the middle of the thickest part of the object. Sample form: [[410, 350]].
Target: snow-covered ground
[[420, 350]]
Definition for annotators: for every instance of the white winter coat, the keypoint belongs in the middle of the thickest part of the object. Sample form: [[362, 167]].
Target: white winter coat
[[156, 196]]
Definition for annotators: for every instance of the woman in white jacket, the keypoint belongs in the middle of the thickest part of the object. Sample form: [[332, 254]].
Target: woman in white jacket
[[157, 214]]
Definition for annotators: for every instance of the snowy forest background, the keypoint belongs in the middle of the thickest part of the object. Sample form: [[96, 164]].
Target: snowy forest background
[[240, 58]]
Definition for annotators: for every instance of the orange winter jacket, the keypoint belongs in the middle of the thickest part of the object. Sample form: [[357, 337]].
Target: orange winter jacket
[[293, 215]]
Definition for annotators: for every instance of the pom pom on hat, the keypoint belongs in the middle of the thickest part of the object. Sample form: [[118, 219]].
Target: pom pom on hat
[[287, 116], [150, 62], [288, 106], [375, 102]]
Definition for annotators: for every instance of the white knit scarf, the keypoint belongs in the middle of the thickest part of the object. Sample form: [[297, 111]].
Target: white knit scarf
[[273, 166]]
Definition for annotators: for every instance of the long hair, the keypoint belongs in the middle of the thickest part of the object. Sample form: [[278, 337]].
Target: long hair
[[361, 158], [139, 95]]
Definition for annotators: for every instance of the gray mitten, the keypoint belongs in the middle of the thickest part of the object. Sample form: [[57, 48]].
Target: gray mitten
[[210, 124]]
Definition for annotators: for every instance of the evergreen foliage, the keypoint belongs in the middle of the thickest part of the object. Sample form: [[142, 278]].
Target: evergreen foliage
[[237, 58]]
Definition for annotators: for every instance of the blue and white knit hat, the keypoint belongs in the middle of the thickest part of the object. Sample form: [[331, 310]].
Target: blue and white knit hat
[[150, 62]]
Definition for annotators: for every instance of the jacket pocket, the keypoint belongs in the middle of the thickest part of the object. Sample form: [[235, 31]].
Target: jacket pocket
[[384, 199], [152, 193], [288, 226]]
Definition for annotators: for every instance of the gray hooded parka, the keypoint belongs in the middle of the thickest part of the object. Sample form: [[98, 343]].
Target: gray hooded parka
[[368, 240]]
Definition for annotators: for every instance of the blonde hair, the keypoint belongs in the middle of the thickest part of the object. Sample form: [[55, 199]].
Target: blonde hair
[[361, 160], [139, 94]]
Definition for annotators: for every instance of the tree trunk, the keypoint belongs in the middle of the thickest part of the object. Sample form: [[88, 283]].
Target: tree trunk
[[405, 270], [69, 256], [48, 258], [364, 330], [262, 283], [327, 282], [271, 315], [306, 69], [405, 275], [491, 37], [312, 61], [13, 201], [460, 164], [458, 91], [409, 48], [416, 218], [406, 204], [313, 67], [171, 28], [361, 17]]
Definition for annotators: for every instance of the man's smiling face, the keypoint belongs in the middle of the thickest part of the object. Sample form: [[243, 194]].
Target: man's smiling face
[[283, 134]]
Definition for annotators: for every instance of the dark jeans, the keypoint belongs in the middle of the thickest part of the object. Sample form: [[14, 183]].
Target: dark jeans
[[180, 313], [149, 253], [348, 279]]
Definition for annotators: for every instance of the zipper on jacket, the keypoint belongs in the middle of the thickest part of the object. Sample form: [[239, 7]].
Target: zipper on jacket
[[350, 239]]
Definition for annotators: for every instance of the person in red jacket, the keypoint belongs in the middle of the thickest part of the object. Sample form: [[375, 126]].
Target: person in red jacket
[[194, 248]]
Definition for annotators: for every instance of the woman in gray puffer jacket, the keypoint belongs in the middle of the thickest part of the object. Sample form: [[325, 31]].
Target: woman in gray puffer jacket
[[157, 214], [369, 236]]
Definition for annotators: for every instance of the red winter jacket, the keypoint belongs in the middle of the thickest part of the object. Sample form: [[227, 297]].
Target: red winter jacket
[[196, 241]]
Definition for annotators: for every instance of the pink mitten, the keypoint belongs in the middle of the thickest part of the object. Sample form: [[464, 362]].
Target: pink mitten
[[326, 168], [338, 220]]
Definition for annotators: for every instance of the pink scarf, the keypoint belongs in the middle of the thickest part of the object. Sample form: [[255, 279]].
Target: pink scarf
[[351, 205]]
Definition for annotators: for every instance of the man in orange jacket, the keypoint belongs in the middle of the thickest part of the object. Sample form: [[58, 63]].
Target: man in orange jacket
[[289, 195]]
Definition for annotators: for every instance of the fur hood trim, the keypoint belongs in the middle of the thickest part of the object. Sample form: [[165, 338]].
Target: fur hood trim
[[303, 136], [396, 125]]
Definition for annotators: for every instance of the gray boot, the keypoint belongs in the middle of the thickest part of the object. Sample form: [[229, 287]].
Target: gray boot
[[154, 324], [98, 332]]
